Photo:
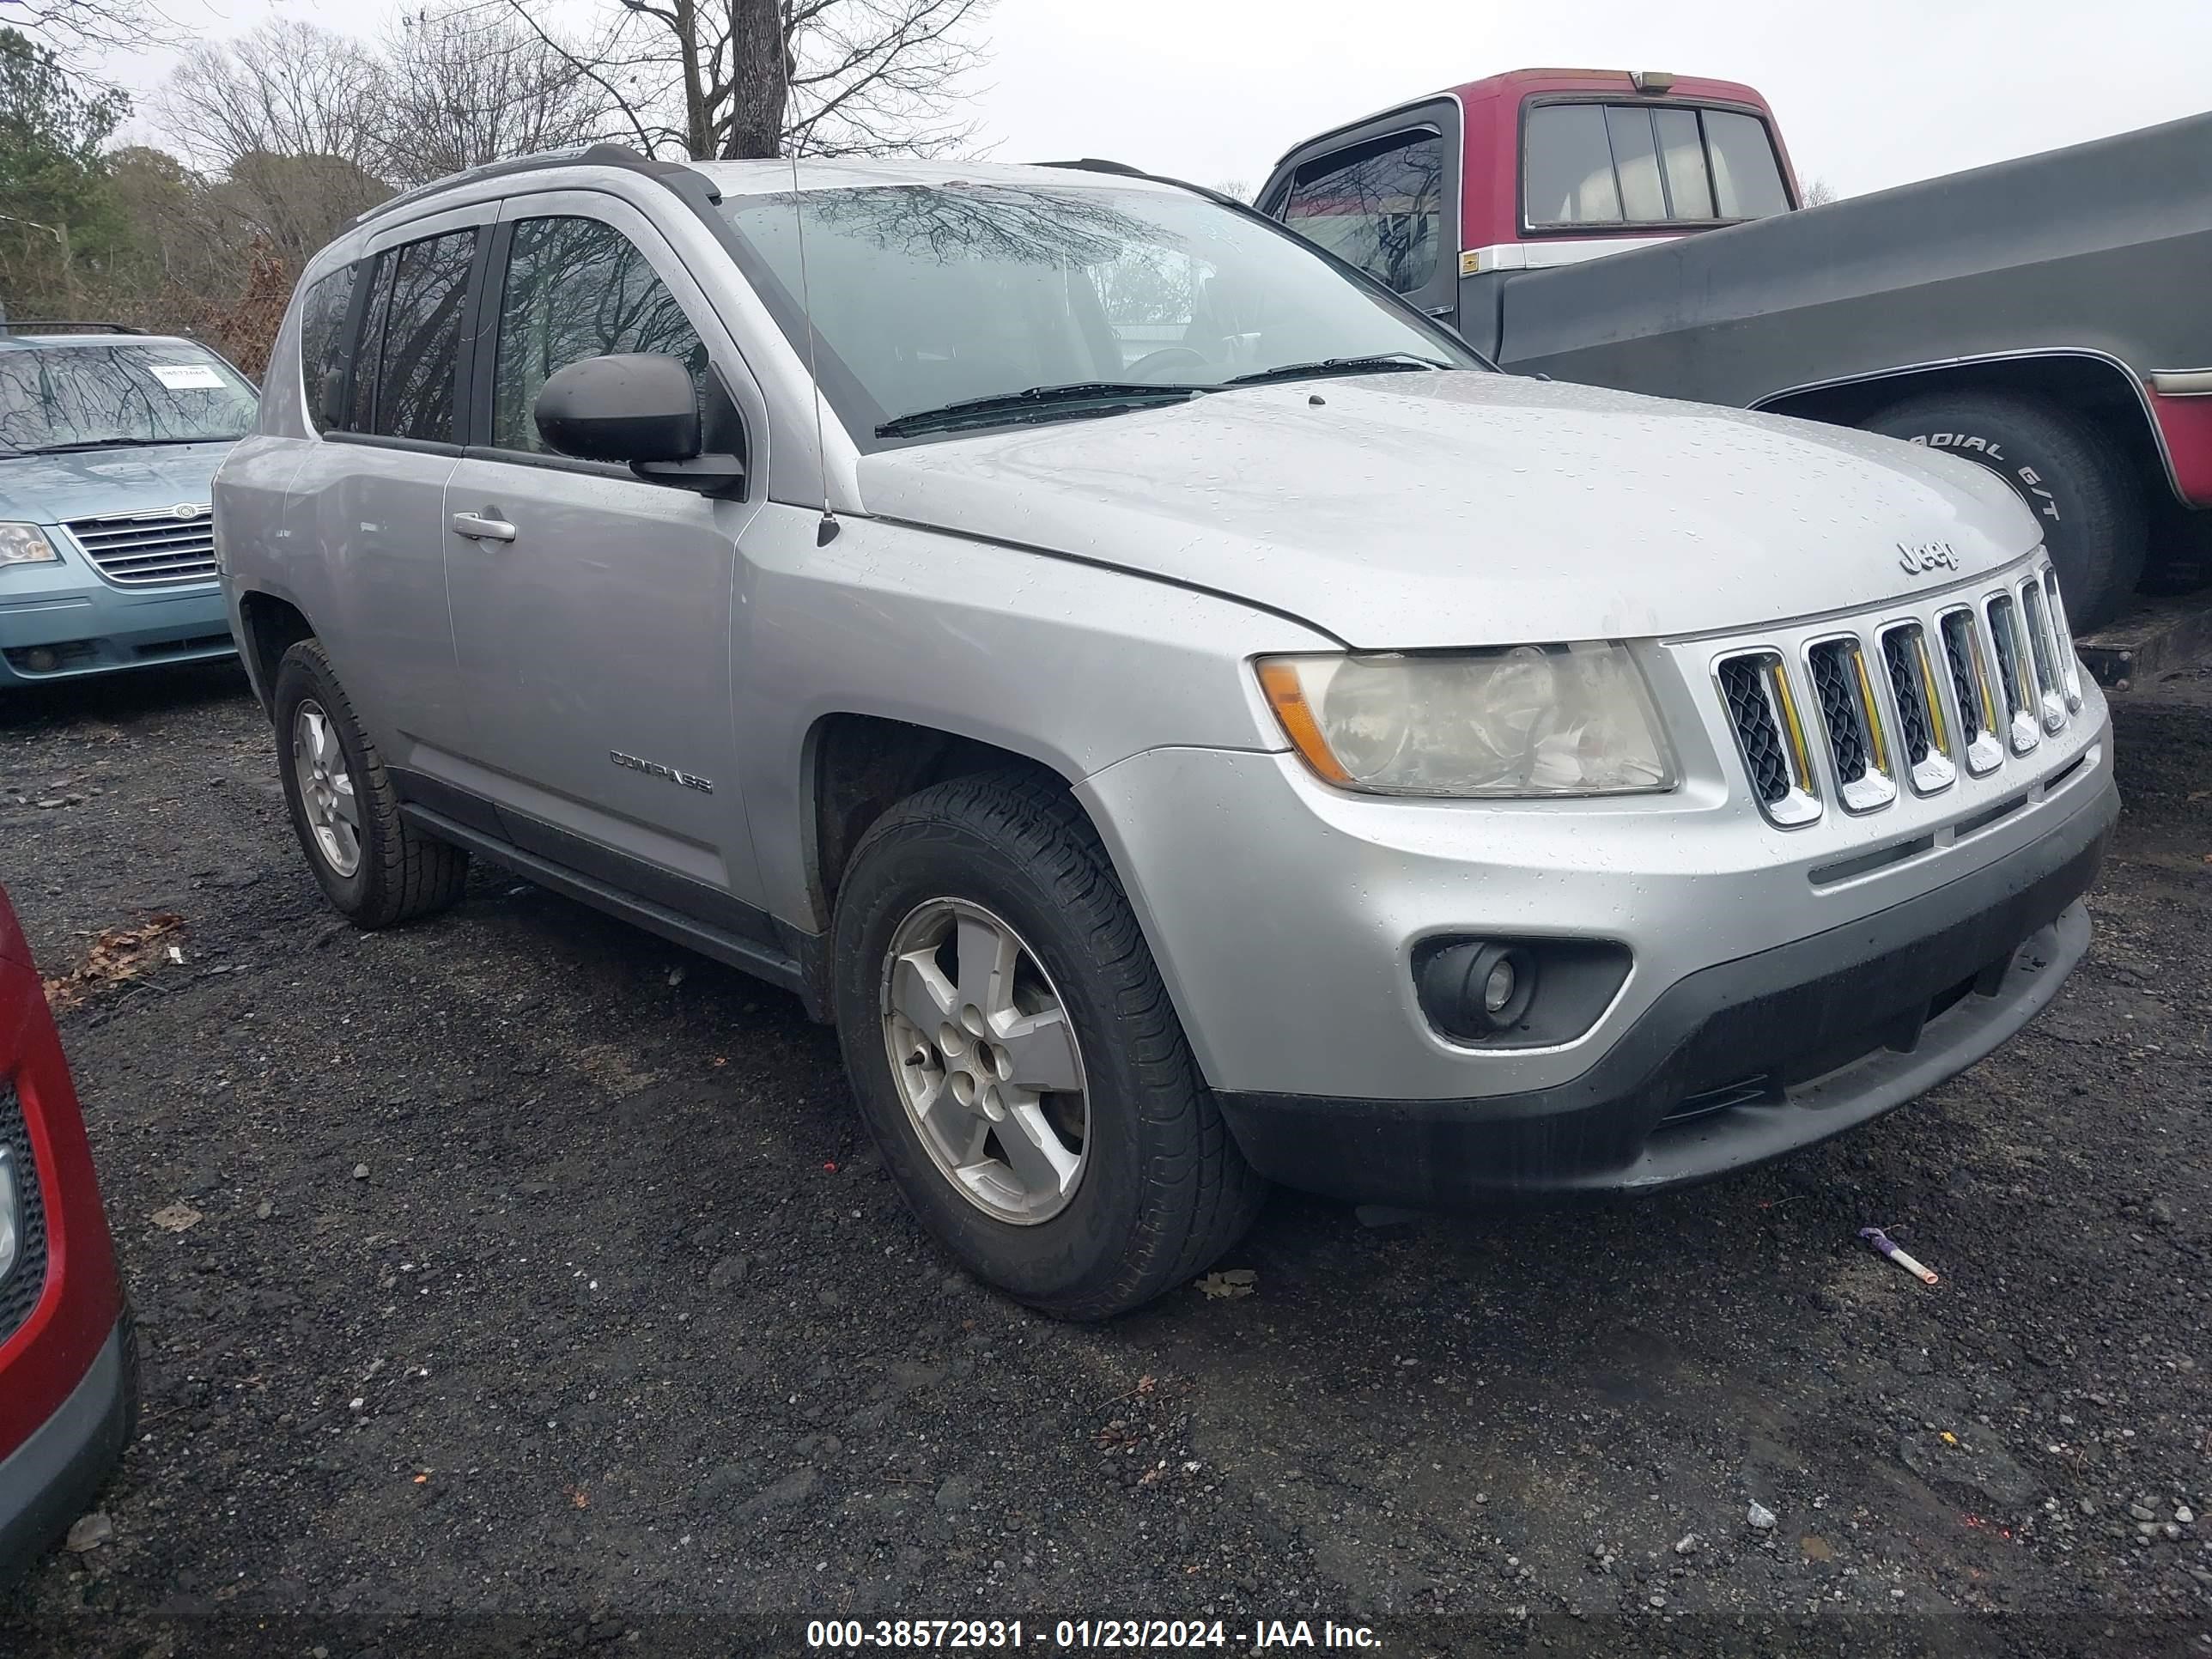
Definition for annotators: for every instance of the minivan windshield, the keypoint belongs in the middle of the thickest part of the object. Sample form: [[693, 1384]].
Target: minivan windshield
[[950, 307], [118, 394]]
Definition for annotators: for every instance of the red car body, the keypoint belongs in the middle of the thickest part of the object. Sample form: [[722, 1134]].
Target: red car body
[[68, 1376]]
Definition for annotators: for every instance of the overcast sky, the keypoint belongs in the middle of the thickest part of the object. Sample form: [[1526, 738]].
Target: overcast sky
[[1869, 92]]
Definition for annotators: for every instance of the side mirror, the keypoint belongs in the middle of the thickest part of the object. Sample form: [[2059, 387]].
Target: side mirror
[[631, 408]]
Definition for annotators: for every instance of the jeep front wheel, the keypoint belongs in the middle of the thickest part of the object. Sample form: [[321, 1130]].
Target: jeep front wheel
[[1017, 1058]]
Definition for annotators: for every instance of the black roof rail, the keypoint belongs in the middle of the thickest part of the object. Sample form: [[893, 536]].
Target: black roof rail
[[62, 325], [1096, 164], [1123, 170], [593, 155]]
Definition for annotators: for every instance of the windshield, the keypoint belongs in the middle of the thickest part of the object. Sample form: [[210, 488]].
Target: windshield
[[924, 295], [119, 393]]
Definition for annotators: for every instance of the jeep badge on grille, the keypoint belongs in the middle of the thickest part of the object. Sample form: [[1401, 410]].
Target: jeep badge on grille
[[1928, 556]]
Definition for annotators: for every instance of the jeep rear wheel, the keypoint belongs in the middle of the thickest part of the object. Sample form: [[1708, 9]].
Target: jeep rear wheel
[[1017, 1058], [375, 868], [2085, 497]]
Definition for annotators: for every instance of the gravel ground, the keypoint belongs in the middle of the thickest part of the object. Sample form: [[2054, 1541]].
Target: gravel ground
[[546, 1297]]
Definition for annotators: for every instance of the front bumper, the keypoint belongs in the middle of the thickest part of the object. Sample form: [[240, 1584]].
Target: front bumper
[[94, 627], [1786, 985], [47, 1482], [1732, 1067]]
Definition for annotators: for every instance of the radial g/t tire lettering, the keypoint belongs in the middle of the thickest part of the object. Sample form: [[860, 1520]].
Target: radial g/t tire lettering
[[2086, 498]]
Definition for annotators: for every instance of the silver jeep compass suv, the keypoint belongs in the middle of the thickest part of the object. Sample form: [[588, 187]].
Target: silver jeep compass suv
[[1188, 720]]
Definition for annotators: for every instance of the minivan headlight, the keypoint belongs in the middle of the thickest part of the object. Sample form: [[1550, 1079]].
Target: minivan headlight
[[25, 543], [1518, 721]]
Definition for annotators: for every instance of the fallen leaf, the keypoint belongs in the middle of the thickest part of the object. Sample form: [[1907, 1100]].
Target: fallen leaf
[[1816, 1548], [175, 1218], [1236, 1281], [116, 954]]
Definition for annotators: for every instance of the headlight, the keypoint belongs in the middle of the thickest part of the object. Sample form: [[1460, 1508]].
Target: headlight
[[1553, 720], [25, 543], [9, 1235]]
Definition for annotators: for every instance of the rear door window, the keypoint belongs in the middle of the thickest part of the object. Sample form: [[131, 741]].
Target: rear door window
[[360, 406], [575, 289], [419, 366], [1379, 206], [1647, 164]]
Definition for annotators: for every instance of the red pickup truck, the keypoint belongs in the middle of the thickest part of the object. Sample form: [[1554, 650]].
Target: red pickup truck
[[2044, 316]]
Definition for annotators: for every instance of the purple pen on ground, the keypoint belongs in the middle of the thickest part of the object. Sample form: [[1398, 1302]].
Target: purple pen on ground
[[1882, 1242]]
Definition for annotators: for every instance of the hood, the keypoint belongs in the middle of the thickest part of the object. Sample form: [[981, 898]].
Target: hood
[[48, 489], [1404, 511]]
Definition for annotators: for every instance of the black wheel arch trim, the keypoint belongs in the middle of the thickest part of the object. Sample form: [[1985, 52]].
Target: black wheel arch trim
[[1938, 366]]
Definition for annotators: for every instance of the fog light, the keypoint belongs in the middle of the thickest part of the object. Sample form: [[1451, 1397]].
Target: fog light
[[9, 1235], [42, 659], [1478, 989], [1517, 993], [1497, 989]]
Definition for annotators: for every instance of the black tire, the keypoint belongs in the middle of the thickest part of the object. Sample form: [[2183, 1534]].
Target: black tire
[[1164, 1190], [2085, 497], [402, 872]]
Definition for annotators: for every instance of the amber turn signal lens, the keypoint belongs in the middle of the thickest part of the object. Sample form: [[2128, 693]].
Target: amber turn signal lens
[[1279, 680]]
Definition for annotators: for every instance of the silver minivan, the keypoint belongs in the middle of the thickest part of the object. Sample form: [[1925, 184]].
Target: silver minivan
[[1186, 720]]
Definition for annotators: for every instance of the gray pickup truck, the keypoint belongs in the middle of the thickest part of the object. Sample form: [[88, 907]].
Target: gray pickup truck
[[2045, 316]]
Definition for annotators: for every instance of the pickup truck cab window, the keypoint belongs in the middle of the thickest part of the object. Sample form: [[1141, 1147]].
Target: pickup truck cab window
[[1379, 207], [576, 288], [930, 295], [1647, 164]]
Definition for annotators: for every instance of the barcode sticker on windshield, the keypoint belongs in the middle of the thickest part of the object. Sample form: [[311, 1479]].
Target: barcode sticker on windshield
[[186, 377]]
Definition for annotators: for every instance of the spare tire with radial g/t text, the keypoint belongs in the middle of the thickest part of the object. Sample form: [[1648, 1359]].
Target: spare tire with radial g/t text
[[2085, 497]]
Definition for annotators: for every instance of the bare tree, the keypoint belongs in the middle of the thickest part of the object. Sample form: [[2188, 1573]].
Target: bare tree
[[879, 77], [290, 117], [725, 79], [286, 87], [77, 28], [1819, 192], [464, 85]]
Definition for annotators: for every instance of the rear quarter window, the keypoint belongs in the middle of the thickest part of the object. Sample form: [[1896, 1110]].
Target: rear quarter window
[[326, 345]]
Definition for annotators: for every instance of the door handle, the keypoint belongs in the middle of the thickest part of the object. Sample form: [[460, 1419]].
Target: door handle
[[479, 529]]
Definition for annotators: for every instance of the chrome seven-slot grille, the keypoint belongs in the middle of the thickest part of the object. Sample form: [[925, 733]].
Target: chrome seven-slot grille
[[1899, 704], [143, 550]]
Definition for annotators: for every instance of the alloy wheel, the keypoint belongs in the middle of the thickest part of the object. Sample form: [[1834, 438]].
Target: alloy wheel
[[326, 793], [987, 1060]]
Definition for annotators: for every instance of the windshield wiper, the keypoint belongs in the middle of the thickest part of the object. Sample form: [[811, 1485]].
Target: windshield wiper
[[1035, 404], [119, 443], [1384, 363]]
